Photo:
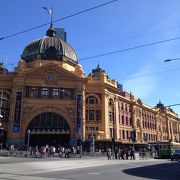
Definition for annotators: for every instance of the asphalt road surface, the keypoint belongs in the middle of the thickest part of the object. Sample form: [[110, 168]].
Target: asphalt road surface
[[14, 168]]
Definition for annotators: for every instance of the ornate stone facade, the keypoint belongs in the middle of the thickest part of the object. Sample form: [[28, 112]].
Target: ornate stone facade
[[49, 90]]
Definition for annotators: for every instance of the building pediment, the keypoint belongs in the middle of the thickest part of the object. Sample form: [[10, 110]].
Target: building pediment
[[52, 72]]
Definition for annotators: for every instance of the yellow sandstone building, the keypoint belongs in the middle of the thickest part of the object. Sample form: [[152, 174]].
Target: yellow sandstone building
[[48, 99]]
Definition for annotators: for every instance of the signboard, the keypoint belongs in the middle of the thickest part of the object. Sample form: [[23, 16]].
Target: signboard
[[15, 127]]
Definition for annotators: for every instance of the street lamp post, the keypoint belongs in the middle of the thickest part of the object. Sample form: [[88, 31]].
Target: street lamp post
[[81, 143], [28, 138], [92, 144]]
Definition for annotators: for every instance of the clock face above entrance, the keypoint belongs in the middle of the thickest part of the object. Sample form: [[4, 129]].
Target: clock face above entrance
[[51, 77]]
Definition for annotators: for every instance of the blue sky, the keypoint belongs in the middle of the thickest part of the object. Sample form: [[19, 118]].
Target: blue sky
[[120, 25]]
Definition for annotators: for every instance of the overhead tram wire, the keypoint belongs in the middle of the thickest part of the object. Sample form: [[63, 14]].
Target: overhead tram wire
[[128, 49], [126, 38], [60, 19], [151, 74], [124, 50]]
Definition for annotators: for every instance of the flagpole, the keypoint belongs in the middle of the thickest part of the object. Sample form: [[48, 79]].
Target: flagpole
[[50, 12], [51, 16]]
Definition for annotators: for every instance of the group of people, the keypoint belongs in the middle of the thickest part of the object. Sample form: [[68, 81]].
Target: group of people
[[52, 151], [120, 153]]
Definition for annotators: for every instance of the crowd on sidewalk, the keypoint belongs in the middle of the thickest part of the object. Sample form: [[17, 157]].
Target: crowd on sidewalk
[[75, 151], [126, 153], [52, 151], [121, 153]]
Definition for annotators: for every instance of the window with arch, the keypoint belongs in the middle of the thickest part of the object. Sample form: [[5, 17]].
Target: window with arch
[[138, 123], [111, 110], [126, 107], [91, 115], [5, 106], [93, 109], [91, 100]]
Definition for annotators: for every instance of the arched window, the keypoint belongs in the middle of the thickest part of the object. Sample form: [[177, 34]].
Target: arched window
[[91, 115], [48, 120], [111, 111], [93, 110], [91, 100]]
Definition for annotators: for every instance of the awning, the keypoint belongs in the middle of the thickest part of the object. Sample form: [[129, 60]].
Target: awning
[[49, 131]]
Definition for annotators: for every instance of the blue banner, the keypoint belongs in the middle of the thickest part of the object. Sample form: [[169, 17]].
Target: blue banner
[[79, 114], [17, 113]]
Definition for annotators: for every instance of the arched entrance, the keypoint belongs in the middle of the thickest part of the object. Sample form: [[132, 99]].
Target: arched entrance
[[48, 128]]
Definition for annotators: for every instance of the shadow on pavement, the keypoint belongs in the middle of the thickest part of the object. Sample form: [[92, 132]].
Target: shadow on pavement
[[166, 171]]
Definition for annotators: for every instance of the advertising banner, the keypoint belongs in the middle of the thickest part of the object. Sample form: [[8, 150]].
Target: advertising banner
[[17, 113], [79, 114]]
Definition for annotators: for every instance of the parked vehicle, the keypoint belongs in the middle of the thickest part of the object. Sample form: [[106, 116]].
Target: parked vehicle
[[175, 155]]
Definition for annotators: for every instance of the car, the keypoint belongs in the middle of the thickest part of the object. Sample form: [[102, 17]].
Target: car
[[175, 155]]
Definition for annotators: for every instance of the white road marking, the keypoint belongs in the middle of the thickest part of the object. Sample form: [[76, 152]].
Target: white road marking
[[94, 173]]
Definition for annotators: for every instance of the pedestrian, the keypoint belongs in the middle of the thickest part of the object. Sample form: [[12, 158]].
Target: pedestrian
[[132, 153], [108, 153]]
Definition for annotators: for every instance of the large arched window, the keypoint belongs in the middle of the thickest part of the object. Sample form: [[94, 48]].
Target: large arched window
[[4, 105], [49, 120], [93, 110], [48, 128]]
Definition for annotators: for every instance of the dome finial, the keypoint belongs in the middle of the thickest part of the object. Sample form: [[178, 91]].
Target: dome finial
[[51, 31], [50, 12], [98, 65]]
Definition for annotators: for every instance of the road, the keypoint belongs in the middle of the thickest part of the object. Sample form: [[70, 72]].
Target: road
[[14, 168]]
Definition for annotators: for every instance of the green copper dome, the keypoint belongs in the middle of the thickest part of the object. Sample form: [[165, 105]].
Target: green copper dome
[[49, 48]]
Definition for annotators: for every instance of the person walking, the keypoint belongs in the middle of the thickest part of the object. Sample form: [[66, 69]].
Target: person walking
[[109, 153]]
